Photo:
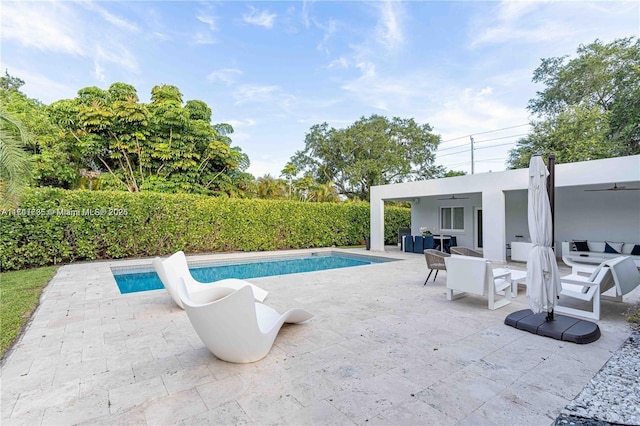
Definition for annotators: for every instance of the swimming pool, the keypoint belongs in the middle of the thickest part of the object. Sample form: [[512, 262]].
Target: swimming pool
[[145, 279]]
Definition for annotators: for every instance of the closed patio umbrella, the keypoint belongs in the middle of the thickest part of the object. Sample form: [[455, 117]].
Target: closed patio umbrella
[[543, 278]]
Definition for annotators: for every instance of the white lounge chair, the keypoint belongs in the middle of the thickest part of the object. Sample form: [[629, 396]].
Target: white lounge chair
[[233, 326], [474, 275], [620, 273], [173, 268]]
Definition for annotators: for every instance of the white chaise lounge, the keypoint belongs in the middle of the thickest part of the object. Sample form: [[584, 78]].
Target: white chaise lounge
[[175, 267], [620, 273], [233, 326]]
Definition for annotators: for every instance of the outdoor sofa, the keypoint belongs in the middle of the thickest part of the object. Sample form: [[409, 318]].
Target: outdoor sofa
[[598, 251]]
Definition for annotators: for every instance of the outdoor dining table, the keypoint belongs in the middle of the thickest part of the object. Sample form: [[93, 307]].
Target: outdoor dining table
[[442, 239]]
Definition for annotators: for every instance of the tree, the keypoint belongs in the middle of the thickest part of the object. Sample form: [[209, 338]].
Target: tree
[[53, 159], [14, 161], [162, 146], [269, 187], [590, 106], [372, 151]]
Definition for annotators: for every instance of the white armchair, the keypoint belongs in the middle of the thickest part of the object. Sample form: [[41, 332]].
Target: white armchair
[[474, 275], [233, 326]]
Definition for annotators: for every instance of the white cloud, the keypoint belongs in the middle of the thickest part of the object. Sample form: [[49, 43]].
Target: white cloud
[[45, 26], [555, 23], [328, 30], [225, 75], [207, 19], [261, 18], [203, 38], [340, 63], [247, 122], [384, 93], [117, 21], [273, 95], [98, 71], [389, 31], [272, 166], [117, 54]]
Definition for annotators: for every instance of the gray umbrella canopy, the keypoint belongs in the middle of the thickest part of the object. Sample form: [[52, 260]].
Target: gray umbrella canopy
[[543, 278]]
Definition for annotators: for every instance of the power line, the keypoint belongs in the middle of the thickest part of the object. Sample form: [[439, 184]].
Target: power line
[[504, 137], [493, 146], [482, 133], [464, 151]]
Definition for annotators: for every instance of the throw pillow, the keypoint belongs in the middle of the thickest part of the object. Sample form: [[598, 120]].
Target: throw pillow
[[611, 247], [581, 245], [636, 250]]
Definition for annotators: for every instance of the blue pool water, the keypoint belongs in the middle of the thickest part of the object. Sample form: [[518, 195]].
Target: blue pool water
[[129, 282]]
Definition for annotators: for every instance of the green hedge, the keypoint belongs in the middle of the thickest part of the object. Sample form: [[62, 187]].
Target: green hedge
[[88, 225]]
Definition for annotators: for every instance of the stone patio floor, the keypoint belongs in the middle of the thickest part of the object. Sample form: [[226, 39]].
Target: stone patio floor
[[381, 349]]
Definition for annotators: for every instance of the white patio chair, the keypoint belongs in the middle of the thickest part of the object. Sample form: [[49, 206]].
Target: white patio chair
[[474, 275], [233, 326], [625, 276], [620, 273], [173, 268]]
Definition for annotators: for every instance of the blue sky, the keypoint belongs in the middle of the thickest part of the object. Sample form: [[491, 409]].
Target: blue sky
[[274, 69]]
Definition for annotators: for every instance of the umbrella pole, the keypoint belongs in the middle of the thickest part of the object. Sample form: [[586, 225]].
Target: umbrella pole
[[551, 192]]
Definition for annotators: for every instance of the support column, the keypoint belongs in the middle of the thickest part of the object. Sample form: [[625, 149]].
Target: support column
[[377, 221], [494, 225]]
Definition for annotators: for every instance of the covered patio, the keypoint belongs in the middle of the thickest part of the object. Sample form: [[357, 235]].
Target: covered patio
[[491, 207]]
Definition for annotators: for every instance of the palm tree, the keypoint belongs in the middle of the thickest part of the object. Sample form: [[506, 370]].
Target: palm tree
[[270, 188], [14, 161], [326, 192]]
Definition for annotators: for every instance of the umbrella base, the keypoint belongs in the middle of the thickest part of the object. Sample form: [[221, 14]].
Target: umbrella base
[[562, 327]]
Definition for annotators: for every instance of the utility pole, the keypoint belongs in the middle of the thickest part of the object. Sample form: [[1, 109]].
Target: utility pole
[[471, 137]]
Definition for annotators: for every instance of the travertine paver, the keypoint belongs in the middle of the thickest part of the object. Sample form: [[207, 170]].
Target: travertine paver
[[381, 349]]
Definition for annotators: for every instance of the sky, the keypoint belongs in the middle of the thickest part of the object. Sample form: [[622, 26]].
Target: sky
[[273, 69]]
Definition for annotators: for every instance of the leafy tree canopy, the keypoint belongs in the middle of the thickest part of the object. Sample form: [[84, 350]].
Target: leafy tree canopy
[[53, 162], [372, 151], [164, 146], [589, 107]]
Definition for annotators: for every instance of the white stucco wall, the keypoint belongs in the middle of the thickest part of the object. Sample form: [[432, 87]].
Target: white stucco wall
[[597, 216]]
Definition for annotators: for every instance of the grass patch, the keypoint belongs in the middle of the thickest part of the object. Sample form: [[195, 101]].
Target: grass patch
[[19, 295]]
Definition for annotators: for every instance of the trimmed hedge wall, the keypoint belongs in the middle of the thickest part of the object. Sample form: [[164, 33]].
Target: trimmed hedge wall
[[89, 225]]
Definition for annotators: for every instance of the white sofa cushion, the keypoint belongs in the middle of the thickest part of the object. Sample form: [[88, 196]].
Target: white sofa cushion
[[597, 246]]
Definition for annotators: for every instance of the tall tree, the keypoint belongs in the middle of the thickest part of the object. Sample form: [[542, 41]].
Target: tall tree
[[589, 107], [372, 151]]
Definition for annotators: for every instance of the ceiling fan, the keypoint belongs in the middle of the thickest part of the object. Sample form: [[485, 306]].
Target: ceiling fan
[[453, 197], [615, 187]]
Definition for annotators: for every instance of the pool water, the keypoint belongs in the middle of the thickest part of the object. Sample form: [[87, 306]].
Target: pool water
[[131, 282]]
